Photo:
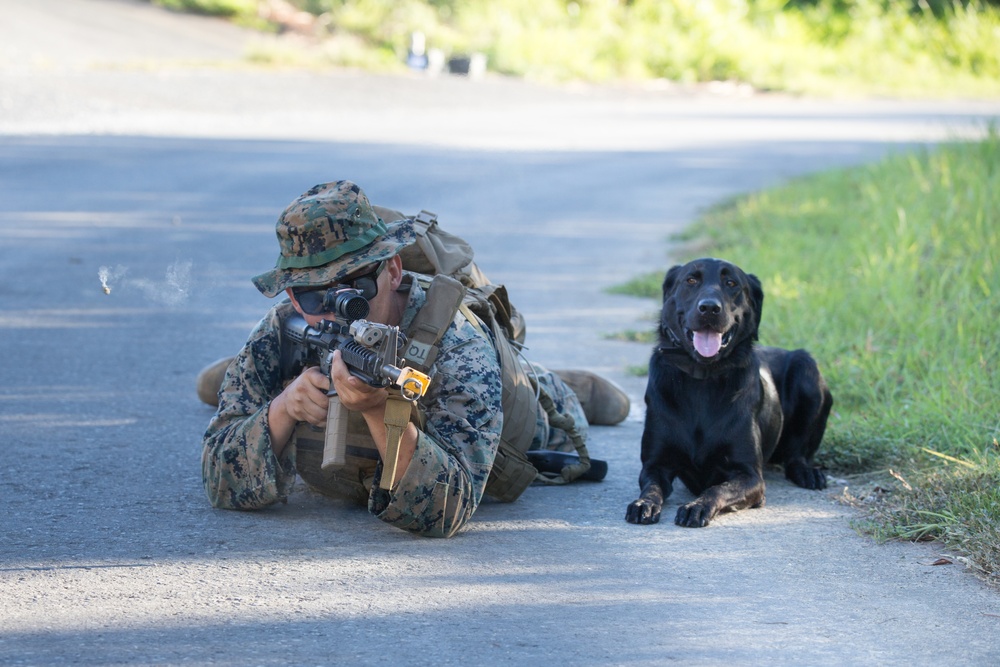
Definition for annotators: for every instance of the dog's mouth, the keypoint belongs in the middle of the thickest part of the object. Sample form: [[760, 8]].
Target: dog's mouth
[[708, 343]]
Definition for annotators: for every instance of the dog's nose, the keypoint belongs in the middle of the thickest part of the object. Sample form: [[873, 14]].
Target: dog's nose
[[710, 306]]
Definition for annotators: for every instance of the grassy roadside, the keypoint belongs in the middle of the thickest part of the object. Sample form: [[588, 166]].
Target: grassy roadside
[[935, 48], [890, 275]]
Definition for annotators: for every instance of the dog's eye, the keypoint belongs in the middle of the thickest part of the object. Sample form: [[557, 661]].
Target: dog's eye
[[692, 280], [731, 283]]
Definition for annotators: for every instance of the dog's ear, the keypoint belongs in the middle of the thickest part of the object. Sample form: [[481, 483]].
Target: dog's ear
[[756, 301], [670, 280]]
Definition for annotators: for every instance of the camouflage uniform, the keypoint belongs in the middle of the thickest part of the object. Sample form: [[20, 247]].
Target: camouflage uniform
[[445, 481]]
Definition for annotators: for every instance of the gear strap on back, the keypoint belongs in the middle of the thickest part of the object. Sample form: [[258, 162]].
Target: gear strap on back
[[564, 421], [512, 472]]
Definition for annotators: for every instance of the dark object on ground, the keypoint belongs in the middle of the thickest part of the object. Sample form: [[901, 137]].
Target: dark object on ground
[[550, 461]]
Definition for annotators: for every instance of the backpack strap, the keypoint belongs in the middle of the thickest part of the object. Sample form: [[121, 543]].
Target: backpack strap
[[444, 297]]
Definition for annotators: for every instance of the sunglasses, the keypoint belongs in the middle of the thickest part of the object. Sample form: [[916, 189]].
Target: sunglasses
[[320, 300]]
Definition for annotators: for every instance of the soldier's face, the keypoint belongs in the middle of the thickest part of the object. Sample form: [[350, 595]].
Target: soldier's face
[[383, 306]]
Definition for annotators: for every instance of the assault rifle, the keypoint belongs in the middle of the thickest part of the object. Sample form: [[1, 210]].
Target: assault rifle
[[371, 352]]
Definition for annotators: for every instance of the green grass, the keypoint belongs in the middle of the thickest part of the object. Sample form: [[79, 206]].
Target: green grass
[[890, 275], [241, 12], [818, 47], [958, 506]]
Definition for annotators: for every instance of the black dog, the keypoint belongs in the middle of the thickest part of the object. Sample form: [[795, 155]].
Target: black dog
[[717, 406]]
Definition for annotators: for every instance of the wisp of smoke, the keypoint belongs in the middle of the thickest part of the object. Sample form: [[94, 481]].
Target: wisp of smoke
[[171, 291], [108, 275]]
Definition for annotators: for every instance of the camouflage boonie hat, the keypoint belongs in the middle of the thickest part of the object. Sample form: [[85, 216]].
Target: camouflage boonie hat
[[328, 233]]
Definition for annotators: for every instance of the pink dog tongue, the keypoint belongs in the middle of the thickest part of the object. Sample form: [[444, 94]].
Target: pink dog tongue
[[707, 343]]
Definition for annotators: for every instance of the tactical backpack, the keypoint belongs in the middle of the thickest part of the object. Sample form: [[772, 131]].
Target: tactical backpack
[[446, 269]]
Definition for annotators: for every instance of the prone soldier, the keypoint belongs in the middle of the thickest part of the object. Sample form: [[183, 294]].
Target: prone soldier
[[331, 239]]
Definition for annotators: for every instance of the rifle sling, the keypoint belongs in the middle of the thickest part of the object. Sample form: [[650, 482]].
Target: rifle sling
[[397, 416]]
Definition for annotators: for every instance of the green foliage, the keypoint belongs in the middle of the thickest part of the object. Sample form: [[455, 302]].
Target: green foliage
[[811, 46], [648, 286], [229, 8]]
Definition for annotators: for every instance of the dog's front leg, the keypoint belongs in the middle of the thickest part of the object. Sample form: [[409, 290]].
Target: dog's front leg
[[654, 490], [735, 494]]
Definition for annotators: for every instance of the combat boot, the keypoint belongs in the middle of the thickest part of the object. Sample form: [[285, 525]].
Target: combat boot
[[210, 380], [604, 403]]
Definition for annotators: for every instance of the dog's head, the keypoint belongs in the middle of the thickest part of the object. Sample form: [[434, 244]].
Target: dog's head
[[710, 309]]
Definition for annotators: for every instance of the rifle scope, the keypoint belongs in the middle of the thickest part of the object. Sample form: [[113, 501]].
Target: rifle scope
[[346, 304]]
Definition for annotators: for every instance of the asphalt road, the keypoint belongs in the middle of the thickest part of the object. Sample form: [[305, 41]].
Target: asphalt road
[[136, 141]]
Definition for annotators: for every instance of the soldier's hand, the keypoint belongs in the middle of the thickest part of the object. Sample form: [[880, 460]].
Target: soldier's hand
[[355, 394], [305, 398]]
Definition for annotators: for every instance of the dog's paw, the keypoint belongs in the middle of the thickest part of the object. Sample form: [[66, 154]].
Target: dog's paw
[[694, 515], [643, 511], [802, 474]]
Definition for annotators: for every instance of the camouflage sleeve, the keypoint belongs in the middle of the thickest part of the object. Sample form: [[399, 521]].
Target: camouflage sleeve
[[445, 481], [239, 468]]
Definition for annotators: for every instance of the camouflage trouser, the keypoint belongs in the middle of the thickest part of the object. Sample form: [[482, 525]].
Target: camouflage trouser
[[566, 402]]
